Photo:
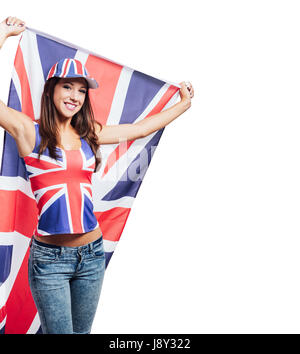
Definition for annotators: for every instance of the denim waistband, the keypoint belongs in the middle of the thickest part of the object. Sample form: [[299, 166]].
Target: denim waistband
[[48, 245]]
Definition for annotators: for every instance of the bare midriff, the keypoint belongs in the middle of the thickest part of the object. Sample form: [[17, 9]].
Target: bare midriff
[[71, 240]]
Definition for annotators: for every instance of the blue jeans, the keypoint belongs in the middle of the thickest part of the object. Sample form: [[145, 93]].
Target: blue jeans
[[65, 283]]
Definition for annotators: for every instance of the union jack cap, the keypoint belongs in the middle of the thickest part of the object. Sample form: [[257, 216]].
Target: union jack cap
[[71, 68]]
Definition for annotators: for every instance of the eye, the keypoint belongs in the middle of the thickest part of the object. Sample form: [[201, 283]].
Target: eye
[[83, 91], [66, 86]]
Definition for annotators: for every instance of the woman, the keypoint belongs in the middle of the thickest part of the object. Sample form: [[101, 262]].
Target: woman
[[67, 260]]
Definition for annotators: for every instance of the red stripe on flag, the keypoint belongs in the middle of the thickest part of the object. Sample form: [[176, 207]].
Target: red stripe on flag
[[26, 101], [74, 192], [89, 190], [21, 217], [121, 149], [107, 75], [112, 222], [3, 313], [39, 163], [164, 100], [46, 196], [92, 166], [20, 305]]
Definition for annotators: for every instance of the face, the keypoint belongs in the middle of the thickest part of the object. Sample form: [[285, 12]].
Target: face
[[69, 96]]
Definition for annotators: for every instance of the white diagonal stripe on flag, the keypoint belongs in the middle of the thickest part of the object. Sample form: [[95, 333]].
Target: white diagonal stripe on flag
[[33, 69]]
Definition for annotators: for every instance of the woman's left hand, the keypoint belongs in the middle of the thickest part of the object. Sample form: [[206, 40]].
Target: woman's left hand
[[186, 92]]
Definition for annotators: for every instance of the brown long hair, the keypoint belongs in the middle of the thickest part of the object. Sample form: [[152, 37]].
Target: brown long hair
[[83, 122]]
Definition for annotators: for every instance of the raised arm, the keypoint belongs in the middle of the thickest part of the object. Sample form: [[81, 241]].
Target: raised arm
[[111, 134], [11, 26], [16, 123]]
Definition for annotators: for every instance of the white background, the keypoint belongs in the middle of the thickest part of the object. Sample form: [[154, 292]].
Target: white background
[[212, 241]]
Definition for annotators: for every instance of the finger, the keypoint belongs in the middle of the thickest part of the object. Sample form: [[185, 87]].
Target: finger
[[188, 84], [190, 88], [19, 23], [14, 20], [184, 89], [190, 91], [9, 20], [184, 84]]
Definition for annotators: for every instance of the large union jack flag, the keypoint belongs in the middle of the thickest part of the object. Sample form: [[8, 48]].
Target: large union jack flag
[[124, 96]]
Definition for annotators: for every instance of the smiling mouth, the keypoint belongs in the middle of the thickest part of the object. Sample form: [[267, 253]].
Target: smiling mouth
[[70, 106]]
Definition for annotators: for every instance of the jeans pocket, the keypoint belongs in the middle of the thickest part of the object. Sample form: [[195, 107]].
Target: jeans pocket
[[98, 250], [43, 254]]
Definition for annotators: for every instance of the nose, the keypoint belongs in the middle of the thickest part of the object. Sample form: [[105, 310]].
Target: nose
[[74, 95]]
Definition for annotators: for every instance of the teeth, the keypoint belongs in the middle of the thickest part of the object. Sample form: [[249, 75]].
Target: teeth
[[70, 106]]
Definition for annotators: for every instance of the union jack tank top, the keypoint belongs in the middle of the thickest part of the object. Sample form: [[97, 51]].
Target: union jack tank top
[[62, 189]]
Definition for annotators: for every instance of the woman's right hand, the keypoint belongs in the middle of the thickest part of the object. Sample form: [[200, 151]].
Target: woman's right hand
[[11, 26]]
